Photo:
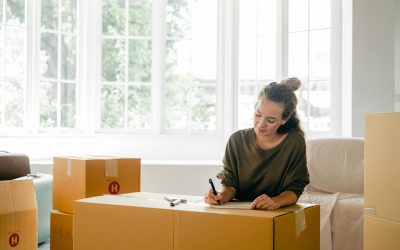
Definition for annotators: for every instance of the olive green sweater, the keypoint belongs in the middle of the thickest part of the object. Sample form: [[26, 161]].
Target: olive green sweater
[[253, 171]]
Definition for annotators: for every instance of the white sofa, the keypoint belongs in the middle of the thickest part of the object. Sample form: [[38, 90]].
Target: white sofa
[[336, 168]]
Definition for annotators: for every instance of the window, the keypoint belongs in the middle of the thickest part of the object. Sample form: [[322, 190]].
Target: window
[[257, 61], [125, 92], [13, 63], [187, 66], [309, 58], [302, 49], [58, 64], [166, 79], [191, 66]]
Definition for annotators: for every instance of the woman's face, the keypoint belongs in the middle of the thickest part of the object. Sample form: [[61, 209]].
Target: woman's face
[[267, 117]]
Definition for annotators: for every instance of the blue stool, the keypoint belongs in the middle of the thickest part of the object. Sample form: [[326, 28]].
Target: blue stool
[[44, 197]]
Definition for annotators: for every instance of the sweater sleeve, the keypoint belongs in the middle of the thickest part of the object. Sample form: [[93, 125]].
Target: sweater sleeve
[[229, 175], [297, 176]]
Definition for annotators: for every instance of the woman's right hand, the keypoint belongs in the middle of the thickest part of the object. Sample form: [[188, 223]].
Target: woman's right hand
[[211, 198]]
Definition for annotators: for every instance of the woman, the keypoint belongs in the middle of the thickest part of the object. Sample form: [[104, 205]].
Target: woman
[[266, 164]]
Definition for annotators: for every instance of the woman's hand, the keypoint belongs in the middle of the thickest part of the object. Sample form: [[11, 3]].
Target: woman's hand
[[227, 194], [265, 202], [211, 198]]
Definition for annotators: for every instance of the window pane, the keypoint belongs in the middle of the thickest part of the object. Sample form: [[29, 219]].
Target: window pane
[[257, 54], [178, 24], [15, 12], [139, 107], [178, 60], [247, 41], [13, 103], [48, 55], [320, 14], [68, 105], [1, 11], [113, 60], [247, 100], [113, 17], [303, 105], [140, 60], [48, 104], [320, 43], [112, 106], [190, 107], [140, 17], [298, 15], [267, 17], [203, 19], [298, 55], [15, 51], [1, 51], [49, 14], [68, 57], [68, 14], [319, 101], [191, 66], [266, 57], [204, 59]]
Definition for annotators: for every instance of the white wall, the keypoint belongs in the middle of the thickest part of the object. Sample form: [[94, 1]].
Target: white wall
[[373, 50]]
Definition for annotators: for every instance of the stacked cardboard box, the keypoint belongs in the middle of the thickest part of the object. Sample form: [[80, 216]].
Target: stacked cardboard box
[[76, 178], [147, 221], [18, 215], [381, 181]]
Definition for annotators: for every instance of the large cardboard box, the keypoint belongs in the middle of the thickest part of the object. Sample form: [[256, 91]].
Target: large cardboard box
[[381, 234], [61, 231], [18, 215], [382, 165], [77, 178], [146, 221]]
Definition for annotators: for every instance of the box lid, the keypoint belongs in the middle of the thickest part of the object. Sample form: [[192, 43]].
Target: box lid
[[193, 204]]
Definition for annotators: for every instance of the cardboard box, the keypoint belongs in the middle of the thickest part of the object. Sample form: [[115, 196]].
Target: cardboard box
[[61, 231], [381, 234], [146, 221], [77, 178], [382, 165], [18, 215]]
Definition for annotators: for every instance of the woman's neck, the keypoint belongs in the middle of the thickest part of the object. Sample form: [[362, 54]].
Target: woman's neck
[[268, 142]]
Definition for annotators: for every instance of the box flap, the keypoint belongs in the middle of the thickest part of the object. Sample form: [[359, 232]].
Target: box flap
[[16, 196]]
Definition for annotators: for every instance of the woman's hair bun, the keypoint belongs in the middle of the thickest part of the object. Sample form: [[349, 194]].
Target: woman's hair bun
[[293, 83]]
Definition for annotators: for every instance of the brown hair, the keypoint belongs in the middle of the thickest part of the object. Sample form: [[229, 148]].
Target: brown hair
[[283, 93]]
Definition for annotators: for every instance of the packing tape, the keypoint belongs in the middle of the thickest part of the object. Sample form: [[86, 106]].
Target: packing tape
[[370, 210], [111, 167], [300, 219], [69, 167]]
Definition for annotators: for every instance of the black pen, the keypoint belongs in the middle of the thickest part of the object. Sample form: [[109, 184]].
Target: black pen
[[213, 189]]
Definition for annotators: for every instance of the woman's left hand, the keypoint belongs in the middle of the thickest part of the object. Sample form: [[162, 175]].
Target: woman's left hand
[[265, 202]]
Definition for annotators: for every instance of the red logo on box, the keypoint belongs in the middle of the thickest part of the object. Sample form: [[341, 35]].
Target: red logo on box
[[13, 240], [114, 187]]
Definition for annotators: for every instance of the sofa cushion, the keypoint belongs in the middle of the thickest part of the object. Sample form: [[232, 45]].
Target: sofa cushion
[[336, 165], [13, 165]]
